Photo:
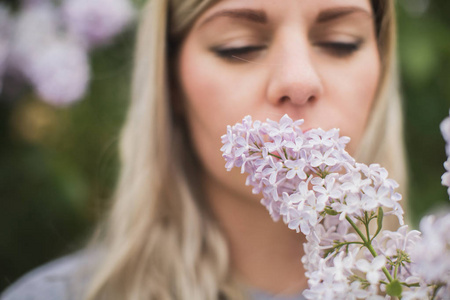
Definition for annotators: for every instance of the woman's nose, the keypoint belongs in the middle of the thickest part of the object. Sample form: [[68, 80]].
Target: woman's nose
[[294, 78]]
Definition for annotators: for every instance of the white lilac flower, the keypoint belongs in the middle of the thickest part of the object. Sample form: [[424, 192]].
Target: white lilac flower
[[355, 291], [445, 131], [445, 179], [272, 170], [319, 137], [278, 156], [372, 269], [53, 63], [95, 22], [417, 293], [330, 189], [403, 239], [296, 168], [309, 180], [319, 159], [350, 206], [295, 145], [36, 27], [353, 183], [431, 256], [61, 73], [327, 288], [299, 220]]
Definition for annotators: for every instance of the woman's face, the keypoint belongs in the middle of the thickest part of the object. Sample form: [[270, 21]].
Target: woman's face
[[313, 60]]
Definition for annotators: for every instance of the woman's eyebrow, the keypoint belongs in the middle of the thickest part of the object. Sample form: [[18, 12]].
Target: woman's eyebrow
[[336, 13], [256, 16]]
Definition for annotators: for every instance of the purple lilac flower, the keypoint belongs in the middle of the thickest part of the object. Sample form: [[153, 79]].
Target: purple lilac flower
[[61, 73], [445, 130], [36, 27], [48, 43], [54, 63], [301, 175], [432, 255], [95, 22], [279, 156]]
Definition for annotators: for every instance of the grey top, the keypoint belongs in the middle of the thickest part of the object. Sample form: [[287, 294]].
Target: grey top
[[61, 279], [66, 279]]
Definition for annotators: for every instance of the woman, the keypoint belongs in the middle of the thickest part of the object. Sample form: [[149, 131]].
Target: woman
[[181, 227]]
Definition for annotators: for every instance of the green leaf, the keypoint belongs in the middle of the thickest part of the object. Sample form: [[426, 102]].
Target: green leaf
[[379, 221], [394, 288]]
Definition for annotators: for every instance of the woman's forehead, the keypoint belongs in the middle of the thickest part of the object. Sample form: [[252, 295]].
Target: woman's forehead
[[262, 10]]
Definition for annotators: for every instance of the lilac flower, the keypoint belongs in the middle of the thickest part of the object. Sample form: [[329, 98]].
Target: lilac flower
[[309, 180], [445, 179], [320, 137], [272, 170], [432, 255], [330, 189], [49, 42], [96, 22], [61, 73], [402, 239], [319, 159], [353, 183], [372, 269], [419, 293], [350, 206], [299, 220], [445, 131], [296, 168], [284, 127], [228, 141], [36, 27], [295, 145], [55, 64]]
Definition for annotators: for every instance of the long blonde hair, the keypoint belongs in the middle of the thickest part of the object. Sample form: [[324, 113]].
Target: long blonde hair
[[159, 241]]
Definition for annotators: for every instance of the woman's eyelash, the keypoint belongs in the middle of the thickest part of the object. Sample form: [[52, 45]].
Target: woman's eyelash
[[341, 48], [237, 51]]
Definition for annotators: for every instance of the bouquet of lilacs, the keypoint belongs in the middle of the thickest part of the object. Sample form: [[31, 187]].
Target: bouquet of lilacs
[[310, 181]]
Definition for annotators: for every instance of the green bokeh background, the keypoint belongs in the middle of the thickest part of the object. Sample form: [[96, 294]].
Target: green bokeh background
[[58, 165]]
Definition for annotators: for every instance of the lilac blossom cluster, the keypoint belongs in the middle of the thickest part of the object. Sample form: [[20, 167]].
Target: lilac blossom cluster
[[310, 181], [48, 45], [302, 173], [445, 130], [432, 254]]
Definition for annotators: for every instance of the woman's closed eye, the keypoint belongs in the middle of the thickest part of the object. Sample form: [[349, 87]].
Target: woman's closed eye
[[340, 49], [243, 53]]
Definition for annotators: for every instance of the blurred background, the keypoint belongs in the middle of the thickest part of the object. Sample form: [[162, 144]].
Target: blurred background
[[58, 153]]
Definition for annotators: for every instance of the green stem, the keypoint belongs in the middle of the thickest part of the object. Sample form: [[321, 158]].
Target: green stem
[[361, 235], [279, 157], [410, 285], [435, 291], [366, 224], [368, 246], [396, 270]]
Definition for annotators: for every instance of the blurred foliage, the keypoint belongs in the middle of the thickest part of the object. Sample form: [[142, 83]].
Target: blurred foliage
[[424, 52], [58, 166]]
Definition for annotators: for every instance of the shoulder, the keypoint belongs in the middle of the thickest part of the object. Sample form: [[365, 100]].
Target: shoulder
[[61, 279]]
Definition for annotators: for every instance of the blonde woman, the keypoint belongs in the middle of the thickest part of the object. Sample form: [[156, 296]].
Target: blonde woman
[[181, 227]]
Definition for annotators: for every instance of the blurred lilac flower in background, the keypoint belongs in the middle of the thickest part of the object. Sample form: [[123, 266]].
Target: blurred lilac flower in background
[[48, 45], [96, 22]]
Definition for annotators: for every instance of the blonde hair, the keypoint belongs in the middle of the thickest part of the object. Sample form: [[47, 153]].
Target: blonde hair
[[159, 241]]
